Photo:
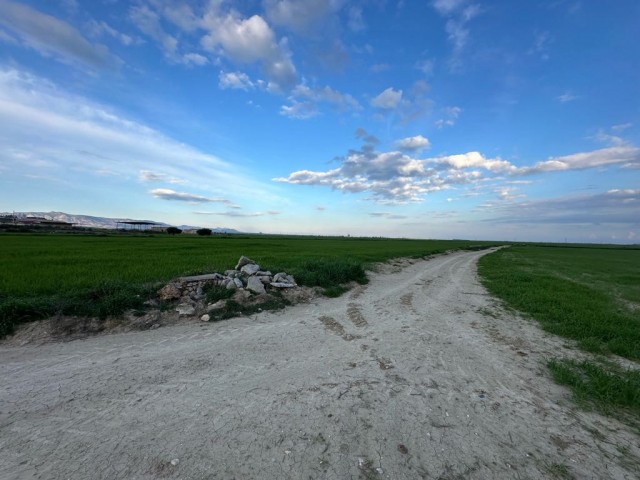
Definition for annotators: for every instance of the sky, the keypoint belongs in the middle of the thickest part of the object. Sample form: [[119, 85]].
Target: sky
[[489, 119]]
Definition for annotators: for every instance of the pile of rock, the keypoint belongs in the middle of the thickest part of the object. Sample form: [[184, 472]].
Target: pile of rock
[[246, 276]]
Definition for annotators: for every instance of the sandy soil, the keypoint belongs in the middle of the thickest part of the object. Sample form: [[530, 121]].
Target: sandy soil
[[420, 374]]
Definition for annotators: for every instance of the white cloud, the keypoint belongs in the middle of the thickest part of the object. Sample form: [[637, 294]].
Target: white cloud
[[300, 15], [618, 155], [621, 127], [447, 7], [149, 22], [168, 194], [235, 80], [566, 97], [305, 101], [241, 214], [451, 115], [249, 40], [53, 37], [102, 28], [149, 176], [194, 59], [616, 206], [413, 143], [64, 136], [541, 43], [388, 99]]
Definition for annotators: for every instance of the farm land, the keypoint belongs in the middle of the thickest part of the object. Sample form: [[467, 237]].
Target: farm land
[[587, 294]]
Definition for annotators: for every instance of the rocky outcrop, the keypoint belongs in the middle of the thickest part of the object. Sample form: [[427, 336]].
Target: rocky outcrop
[[247, 278]]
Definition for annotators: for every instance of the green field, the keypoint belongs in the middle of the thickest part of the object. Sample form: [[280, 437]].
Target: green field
[[588, 294], [101, 275]]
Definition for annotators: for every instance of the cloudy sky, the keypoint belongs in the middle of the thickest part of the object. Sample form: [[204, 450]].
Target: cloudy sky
[[488, 119]]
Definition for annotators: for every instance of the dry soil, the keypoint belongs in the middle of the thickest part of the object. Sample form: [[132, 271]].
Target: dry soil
[[419, 374]]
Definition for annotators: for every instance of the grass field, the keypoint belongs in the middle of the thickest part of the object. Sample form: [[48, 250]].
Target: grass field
[[588, 294], [41, 275]]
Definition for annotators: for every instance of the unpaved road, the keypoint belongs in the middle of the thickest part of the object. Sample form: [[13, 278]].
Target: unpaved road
[[420, 374]]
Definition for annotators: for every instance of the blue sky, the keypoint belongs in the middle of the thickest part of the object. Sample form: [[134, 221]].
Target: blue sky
[[424, 119]]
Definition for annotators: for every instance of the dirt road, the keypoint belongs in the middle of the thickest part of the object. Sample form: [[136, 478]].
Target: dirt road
[[420, 374]]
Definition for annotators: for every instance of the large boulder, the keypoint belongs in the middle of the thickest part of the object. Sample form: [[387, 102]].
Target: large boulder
[[282, 277]]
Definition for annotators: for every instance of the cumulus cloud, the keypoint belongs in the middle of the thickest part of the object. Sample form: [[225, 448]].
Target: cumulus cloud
[[304, 101], [235, 80], [52, 37], [413, 143], [389, 99], [249, 40], [394, 177]]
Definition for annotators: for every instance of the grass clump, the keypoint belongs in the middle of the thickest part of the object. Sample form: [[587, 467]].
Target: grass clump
[[215, 293], [232, 308], [601, 386], [329, 273]]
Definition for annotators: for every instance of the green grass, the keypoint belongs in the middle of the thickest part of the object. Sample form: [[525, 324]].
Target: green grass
[[590, 295], [45, 274]]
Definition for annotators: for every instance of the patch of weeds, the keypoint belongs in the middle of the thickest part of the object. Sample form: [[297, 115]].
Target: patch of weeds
[[557, 470], [329, 272], [335, 291], [367, 470], [215, 293], [232, 308], [604, 387], [105, 299]]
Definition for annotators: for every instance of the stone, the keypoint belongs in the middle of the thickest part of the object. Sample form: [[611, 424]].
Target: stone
[[264, 274], [170, 292], [220, 304], [232, 273], [283, 285], [185, 309], [201, 278], [266, 279], [175, 462], [238, 282], [284, 278], [205, 318], [154, 326], [255, 285], [250, 269], [231, 285], [243, 261]]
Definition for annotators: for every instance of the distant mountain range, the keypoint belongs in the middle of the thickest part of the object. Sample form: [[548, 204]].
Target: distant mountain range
[[102, 222]]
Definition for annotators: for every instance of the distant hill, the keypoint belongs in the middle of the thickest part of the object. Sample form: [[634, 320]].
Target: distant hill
[[102, 222]]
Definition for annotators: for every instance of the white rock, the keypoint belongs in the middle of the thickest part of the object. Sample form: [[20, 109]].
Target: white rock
[[243, 261], [185, 309], [238, 283], [283, 285], [205, 318], [175, 462], [255, 285], [218, 305], [266, 279], [231, 285], [250, 269], [264, 274]]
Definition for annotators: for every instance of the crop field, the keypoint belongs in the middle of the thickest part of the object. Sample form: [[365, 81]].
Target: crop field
[[101, 275], [588, 294]]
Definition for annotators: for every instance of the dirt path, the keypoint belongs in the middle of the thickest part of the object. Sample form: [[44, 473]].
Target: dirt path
[[420, 374]]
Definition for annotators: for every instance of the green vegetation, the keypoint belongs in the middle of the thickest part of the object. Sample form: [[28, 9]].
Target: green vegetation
[[589, 294], [101, 275]]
